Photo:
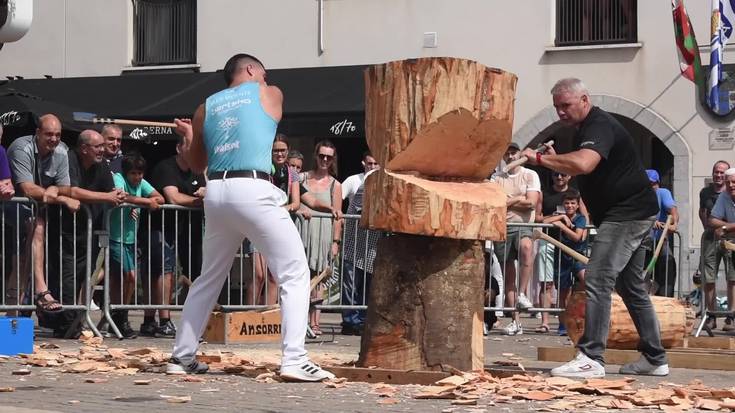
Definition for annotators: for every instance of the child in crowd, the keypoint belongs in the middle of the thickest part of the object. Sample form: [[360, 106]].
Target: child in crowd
[[123, 228], [572, 225]]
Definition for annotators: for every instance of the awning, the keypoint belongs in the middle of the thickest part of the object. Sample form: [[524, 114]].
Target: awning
[[319, 101]]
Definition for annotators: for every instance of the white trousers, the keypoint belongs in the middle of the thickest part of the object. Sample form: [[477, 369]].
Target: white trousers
[[236, 208]]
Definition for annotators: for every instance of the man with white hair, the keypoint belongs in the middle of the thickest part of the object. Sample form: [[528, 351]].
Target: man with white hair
[[623, 206], [722, 220]]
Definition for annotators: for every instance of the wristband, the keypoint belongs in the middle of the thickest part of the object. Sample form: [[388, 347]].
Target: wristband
[[538, 158]]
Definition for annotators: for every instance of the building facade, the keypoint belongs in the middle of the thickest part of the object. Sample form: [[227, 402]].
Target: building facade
[[624, 50]]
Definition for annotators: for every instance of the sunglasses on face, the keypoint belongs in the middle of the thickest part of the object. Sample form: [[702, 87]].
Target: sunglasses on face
[[325, 157], [280, 150], [558, 174]]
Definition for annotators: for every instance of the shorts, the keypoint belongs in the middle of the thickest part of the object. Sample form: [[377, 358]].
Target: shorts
[[122, 254], [507, 250], [566, 270], [161, 256], [710, 257], [544, 262]]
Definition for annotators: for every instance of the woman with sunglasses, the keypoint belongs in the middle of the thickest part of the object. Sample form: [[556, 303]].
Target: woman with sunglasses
[[324, 234]]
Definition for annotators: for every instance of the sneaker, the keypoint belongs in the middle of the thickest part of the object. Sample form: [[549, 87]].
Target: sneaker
[[643, 367], [524, 302], [711, 323], [127, 331], [148, 329], [177, 366], [306, 371], [729, 325], [167, 330], [513, 329], [581, 367]]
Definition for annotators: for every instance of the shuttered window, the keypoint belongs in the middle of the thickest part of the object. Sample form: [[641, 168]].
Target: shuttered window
[[164, 32], [588, 22]]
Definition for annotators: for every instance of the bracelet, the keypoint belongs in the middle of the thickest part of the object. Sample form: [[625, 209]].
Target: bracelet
[[538, 158]]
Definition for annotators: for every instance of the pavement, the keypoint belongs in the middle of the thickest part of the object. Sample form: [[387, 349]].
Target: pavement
[[51, 390]]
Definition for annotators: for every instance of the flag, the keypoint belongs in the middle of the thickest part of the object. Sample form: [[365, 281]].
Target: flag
[[723, 18], [686, 43]]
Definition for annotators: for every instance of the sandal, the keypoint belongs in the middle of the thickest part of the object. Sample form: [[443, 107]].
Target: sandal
[[316, 330], [542, 329], [47, 305]]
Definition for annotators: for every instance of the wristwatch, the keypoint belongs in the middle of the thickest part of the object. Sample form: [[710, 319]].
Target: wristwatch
[[724, 228]]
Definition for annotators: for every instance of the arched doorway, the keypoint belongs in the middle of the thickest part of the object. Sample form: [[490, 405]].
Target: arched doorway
[[660, 145]]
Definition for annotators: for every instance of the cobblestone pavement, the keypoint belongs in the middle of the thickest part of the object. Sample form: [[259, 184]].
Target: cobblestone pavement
[[49, 389]]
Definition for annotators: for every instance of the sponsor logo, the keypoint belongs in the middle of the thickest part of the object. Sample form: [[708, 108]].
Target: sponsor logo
[[586, 143], [259, 329], [226, 147], [138, 134], [228, 123]]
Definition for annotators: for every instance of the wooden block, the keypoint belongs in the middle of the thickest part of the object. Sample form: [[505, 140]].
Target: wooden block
[[243, 327], [389, 376], [724, 343], [678, 358]]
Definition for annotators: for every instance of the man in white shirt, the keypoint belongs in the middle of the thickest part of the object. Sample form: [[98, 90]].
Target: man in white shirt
[[522, 186], [354, 182]]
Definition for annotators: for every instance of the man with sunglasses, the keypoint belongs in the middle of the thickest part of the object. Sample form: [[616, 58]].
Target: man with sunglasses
[[231, 135], [623, 206]]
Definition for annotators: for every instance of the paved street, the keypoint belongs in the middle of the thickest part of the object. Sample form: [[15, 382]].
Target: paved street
[[50, 389]]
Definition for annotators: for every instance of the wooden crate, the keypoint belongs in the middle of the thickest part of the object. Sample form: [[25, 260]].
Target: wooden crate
[[244, 327]]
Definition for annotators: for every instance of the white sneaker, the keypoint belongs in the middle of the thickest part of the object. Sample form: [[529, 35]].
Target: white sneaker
[[513, 329], [643, 367], [306, 371], [524, 302], [582, 367]]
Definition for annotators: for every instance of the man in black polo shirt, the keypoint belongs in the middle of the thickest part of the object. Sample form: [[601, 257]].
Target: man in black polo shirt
[[623, 206], [174, 235], [91, 184]]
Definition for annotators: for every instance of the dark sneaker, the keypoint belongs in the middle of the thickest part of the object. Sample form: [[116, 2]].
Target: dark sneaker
[[148, 329], [729, 325], [643, 367], [177, 366], [167, 330], [127, 331], [711, 323], [352, 329]]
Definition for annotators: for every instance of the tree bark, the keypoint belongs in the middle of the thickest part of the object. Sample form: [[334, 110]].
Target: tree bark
[[425, 308]]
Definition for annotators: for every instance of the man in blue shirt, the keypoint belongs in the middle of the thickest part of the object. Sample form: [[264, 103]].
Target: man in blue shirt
[[664, 273], [232, 136]]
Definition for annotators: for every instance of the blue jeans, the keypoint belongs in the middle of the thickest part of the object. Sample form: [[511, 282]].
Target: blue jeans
[[617, 262], [355, 286]]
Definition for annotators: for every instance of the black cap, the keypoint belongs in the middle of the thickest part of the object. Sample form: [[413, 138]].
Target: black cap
[[514, 145]]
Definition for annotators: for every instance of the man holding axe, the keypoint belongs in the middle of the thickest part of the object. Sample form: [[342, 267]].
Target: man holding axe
[[623, 206]]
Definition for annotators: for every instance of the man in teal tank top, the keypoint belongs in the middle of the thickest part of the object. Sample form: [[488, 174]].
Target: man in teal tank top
[[231, 136]]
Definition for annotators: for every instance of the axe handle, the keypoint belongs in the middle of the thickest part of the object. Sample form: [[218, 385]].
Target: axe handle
[[135, 122], [523, 159], [660, 244], [537, 234], [728, 245]]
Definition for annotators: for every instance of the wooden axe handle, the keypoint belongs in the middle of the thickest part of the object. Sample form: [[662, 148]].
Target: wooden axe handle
[[137, 122], [523, 159], [537, 234], [660, 244], [728, 245], [316, 280]]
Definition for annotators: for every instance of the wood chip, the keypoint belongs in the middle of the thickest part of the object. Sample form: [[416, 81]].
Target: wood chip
[[95, 380], [608, 384], [536, 396], [85, 336], [48, 346], [707, 404], [436, 392], [384, 390], [507, 354], [178, 399], [140, 351], [465, 402], [21, 372], [336, 383], [388, 401], [7, 389], [560, 381], [142, 382], [452, 381], [193, 379]]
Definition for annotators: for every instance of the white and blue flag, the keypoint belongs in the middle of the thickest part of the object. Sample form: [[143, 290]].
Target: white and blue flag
[[723, 19]]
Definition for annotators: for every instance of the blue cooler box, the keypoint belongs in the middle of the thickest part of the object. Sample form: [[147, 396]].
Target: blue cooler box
[[16, 336]]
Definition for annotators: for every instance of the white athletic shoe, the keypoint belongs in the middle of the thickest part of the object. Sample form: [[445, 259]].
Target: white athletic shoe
[[306, 371], [643, 367], [581, 367], [524, 302], [513, 328]]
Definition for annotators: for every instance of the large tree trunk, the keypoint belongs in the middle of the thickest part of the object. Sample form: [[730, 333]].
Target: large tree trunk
[[675, 321], [438, 126], [426, 305]]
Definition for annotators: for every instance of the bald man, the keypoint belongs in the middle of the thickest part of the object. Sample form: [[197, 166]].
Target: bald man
[[40, 169]]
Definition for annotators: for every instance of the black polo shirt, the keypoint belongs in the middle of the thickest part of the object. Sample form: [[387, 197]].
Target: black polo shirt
[[618, 189], [97, 178], [167, 173]]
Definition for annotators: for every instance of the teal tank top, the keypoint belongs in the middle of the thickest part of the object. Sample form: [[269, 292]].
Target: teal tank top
[[238, 133]]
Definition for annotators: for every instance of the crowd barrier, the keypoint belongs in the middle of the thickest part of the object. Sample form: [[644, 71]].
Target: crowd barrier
[[164, 257]]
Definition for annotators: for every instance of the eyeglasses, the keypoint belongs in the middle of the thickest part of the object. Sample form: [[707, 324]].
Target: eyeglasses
[[325, 156], [280, 150], [555, 174]]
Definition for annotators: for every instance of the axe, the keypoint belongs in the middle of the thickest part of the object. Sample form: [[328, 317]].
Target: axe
[[537, 234], [523, 159], [92, 118]]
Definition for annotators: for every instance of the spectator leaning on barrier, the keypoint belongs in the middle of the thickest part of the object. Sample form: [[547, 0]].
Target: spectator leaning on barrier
[[40, 169], [522, 186], [664, 275], [360, 248], [722, 220], [710, 253], [354, 182], [175, 236], [123, 229], [91, 184], [295, 160], [6, 184], [113, 154]]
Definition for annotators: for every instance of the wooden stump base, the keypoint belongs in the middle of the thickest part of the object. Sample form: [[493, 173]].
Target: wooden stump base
[[425, 309]]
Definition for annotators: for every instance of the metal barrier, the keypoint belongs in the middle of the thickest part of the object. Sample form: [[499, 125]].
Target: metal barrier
[[52, 234]]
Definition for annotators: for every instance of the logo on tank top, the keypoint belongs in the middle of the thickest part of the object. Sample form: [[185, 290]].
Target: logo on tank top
[[228, 123], [226, 147], [233, 103]]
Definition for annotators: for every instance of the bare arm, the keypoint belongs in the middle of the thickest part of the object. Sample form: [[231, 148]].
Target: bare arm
[[337, 206], [113, 197], [174, 196], [703, 217], [539, 208], [718, 225], [295, 197], [524, 202], [579, 162], [191, 130], [37, 192]]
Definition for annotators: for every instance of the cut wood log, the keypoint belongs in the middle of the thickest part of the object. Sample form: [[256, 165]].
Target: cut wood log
[[675, 321], [410, 204], [425, 313]]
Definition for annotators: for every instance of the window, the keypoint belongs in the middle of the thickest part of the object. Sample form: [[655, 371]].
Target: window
[[588, 22], [164, 32]]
